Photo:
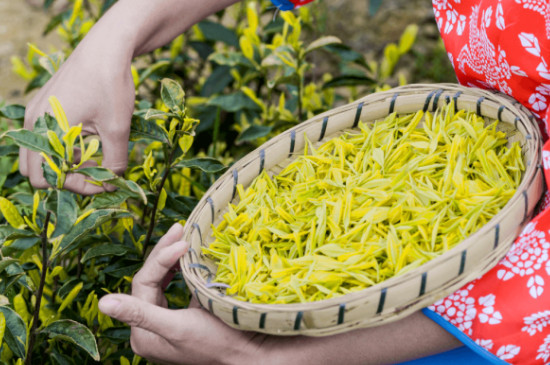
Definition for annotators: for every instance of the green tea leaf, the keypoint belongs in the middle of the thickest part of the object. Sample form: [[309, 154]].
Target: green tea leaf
[[25, 243], [45, 123], [67, 212], [407, 38], [9, 150], [104, 250], [49, 174], [179, 207], [38, 81], [100, 174], [217, 81], [123, 268], [117, 335], [346, 53], [75, 333], [157, 114], [67, 287], [61, 359], [206, 164], [253, 132], [234, 102], [86, 226], [7, 262], [322, 42], [218, 32], [68, 300], [203, 49], [172, 95], [15, 335], [349, 80], [110, 199], [14, 111], [54, 22], [152, 69], [142, 128], [230, 59], [130, 187], [7, 233], [31, 141], [2, 326]]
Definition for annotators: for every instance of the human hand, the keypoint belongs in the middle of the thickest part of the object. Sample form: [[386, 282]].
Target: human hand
[[95, 88], [190, 336], [95, 84]]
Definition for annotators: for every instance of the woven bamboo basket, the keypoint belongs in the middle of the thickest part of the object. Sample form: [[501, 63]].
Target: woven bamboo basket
[[398, 296]]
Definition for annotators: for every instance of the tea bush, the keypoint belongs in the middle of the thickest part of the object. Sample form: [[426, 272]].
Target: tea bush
[[247, 76]]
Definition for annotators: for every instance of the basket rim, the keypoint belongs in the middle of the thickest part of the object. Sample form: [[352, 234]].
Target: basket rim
[[529, 175]]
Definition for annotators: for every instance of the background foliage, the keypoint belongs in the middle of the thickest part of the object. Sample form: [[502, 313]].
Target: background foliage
[[212, 95]]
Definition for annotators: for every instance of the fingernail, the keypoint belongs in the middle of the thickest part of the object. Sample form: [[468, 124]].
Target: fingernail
[[108, 305]]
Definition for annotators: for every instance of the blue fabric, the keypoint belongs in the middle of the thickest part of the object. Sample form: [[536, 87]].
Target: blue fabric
[[283, 4], [459, 356], [470, 344]]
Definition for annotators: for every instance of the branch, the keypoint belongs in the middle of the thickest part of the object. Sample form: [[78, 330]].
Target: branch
[[44, 237], [155, 206]]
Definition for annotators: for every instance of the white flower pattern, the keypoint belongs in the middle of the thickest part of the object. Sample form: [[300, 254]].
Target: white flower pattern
[[488, 313], [508, 352], [459, 309], [527, 255], [540, 6], [484, 343], [536, 322], [544, 350]]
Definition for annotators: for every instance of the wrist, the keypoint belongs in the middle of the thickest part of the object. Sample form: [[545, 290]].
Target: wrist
[[268, 350]]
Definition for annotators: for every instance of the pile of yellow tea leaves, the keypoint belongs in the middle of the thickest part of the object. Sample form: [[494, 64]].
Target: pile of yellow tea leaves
[[364, 207]]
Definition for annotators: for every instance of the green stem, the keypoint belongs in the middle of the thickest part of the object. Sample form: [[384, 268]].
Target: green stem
[[32, 332], [300, 88], [79, 264], [155, 205], [30, 186], [216, 134], [145, 212]]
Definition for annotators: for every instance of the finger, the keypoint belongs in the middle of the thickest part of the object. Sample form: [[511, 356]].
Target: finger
[[35, 172], [23, 162], [173, 235], [147, 283], [31, 162], [141, 314], [78, 183], [114, 143]]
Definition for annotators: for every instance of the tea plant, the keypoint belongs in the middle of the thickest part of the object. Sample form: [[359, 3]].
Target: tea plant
[[246, 77]]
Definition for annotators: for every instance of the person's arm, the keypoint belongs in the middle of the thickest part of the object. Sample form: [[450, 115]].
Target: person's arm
[[95, 84], [194, 336]]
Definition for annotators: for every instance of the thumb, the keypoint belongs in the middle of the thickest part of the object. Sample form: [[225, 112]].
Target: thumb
[[141, 314]]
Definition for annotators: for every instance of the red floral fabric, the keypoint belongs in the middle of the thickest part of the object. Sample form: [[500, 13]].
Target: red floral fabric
[[505, 45]]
